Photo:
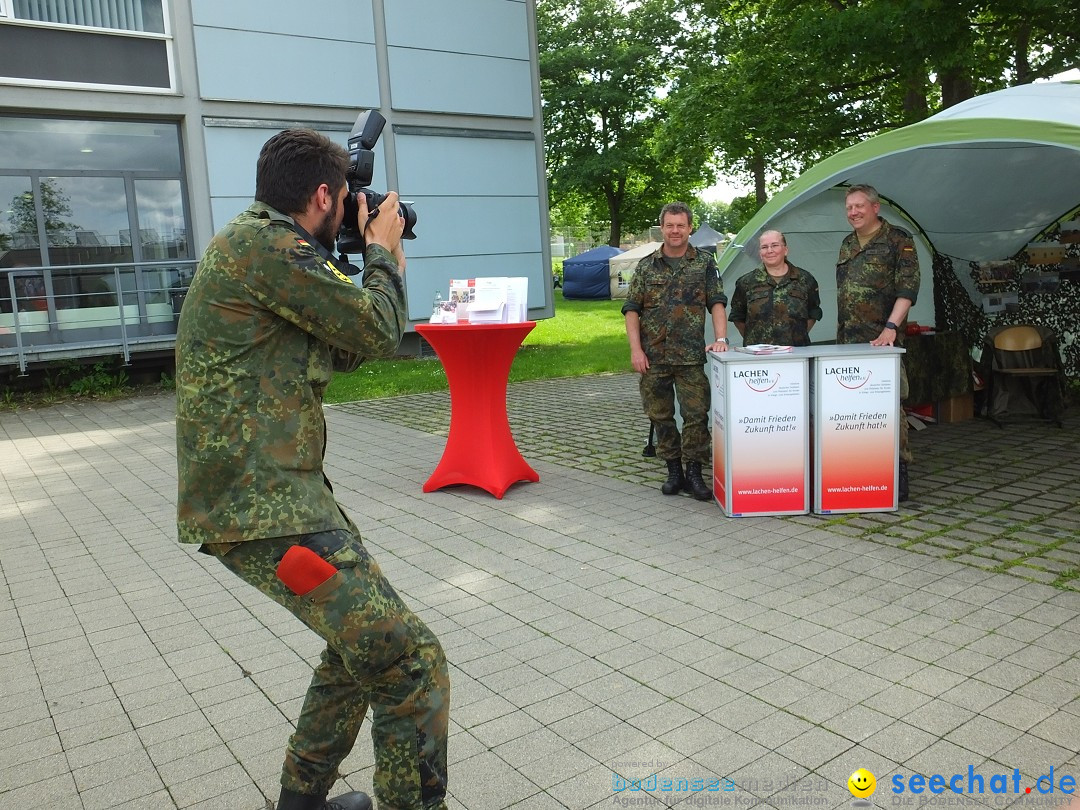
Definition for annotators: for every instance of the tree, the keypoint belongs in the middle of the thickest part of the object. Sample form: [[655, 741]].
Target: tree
[[776, 86], [726, 217], [602, 66], [54, 204], [741, 210], [717, 213], [574, 221]]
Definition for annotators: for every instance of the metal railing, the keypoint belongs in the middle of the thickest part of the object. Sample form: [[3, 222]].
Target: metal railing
[[90, 310]]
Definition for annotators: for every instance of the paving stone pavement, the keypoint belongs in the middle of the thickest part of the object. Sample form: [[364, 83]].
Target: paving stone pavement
[[598, 632], [1000, 499]]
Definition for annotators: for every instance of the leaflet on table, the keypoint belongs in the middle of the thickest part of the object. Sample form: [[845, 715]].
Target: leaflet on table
[[462, 292], [443, 312], [489, 304], [493, 299], [517, 299], [763, 348]]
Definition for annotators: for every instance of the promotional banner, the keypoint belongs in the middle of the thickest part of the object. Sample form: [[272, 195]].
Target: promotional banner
[[718, 374], [765, 437], [857, 406]]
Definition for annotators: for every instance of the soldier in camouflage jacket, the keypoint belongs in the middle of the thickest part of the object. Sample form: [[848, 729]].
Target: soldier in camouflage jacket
[[268, 318], [877, 282], [669, 294], [778, 302]]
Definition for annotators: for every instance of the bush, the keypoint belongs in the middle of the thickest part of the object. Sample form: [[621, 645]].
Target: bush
[[99, 381]]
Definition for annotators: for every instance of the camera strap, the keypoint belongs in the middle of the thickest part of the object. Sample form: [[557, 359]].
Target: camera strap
[[311, 242]]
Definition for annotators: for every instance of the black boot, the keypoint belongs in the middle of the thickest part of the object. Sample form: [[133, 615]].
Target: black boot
[[290, 800], [902, 483], [674, 483], [694, 483]]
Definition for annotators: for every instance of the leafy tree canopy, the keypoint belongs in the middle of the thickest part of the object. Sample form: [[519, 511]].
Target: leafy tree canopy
[[603, 66], [776, 86], [645, 102]]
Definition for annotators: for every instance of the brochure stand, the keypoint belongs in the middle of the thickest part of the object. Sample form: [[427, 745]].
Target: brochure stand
[[480, 449], [760, 430], [818, 425], [856, 416]]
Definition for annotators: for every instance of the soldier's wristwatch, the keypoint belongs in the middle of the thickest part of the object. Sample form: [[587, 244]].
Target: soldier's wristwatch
[[721, 340], [891, 325]]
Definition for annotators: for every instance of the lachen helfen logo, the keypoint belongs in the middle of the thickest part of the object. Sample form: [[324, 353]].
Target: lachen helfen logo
[[851, 377], [758, 380]]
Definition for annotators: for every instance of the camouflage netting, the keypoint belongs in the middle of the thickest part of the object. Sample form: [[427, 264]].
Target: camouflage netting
[[1048, 294]]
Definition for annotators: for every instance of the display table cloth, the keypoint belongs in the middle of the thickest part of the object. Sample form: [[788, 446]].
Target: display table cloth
[[480, 450]]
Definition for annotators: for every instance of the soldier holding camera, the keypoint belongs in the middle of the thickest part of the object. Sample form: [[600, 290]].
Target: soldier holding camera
[[267, 320]]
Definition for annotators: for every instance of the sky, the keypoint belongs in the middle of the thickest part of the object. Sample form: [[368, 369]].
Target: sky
[[726, 189]]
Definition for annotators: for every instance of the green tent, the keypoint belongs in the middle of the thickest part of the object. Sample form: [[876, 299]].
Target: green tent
[[975, 182]]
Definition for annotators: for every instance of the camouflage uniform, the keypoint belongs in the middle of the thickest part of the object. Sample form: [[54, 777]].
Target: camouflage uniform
[[868, 282], [671, 304], [775, 310], [266, 322]]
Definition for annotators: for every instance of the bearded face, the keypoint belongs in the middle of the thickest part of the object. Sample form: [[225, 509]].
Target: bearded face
[[328, 228]]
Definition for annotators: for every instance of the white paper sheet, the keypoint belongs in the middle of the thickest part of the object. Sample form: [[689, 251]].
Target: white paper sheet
[[489, 301]]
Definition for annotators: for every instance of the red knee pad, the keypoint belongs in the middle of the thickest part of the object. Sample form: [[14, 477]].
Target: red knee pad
[[302, 570]]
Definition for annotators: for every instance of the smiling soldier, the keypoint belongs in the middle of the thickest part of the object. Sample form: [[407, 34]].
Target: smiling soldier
[[877, 281]]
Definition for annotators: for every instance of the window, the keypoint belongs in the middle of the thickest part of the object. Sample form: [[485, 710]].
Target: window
[[18, 216], [74, 192], [123, 15], [65, 145], [84, 217], [65, 42], [93, 229], [162, 227]]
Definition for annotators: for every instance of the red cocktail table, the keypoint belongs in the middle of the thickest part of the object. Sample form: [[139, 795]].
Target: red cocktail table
[[480, 450]]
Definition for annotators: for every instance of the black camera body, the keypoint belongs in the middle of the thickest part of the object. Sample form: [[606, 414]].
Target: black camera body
[[365, 134]]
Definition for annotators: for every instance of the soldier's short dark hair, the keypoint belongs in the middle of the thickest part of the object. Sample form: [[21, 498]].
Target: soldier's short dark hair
[[677, 208], [869, 191], [293, 164]]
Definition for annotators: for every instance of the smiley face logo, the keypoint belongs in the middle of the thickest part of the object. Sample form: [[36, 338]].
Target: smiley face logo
[[861, 783]]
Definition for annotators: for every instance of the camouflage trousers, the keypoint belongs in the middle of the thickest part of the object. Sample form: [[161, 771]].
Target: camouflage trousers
[[905, 448], [658, 386], [378, 652]]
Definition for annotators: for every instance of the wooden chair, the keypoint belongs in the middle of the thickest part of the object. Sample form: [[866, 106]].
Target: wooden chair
[[1020, 367], [1020, 338]]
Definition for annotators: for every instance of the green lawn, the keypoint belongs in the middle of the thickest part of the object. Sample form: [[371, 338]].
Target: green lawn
[[584, 337]]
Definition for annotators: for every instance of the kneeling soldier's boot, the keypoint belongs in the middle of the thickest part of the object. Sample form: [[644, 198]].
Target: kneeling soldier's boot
[[674, 483], [902, 483], [291, 800], [694, 483]]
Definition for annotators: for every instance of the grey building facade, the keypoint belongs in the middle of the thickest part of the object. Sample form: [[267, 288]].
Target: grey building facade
[[129, 131]]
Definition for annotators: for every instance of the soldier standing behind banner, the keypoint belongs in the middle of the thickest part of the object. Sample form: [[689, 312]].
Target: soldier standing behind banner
[[777, 303], [665, 324], [877, 282], [268, 318]]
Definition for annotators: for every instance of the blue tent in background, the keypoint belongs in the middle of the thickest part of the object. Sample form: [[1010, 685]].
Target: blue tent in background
[[588, 275]]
